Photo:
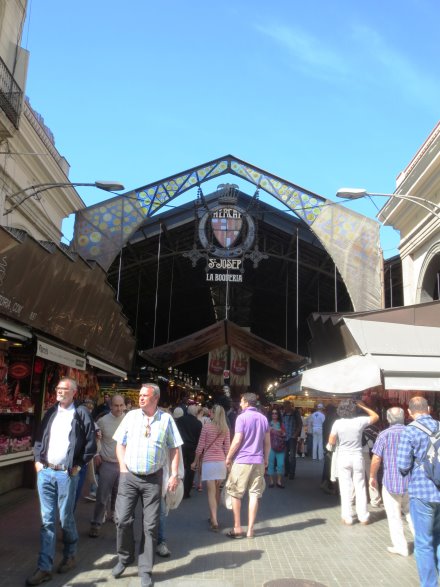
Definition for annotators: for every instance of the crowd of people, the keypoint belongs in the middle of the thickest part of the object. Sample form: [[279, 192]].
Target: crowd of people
[[156, 456]]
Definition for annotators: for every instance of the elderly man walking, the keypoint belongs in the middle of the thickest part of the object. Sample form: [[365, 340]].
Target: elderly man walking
[[424, 496], [395, 487], [65, 444], [145, 439], [106, 462], [251, 447]]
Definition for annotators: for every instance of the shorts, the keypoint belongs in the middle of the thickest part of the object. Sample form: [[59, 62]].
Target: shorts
[[244, 478], [213, 470]]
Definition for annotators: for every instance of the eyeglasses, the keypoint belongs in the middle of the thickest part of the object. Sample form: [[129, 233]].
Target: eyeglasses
[[147, 430]]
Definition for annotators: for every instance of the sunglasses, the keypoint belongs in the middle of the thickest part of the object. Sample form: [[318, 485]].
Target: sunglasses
[[147, 431]]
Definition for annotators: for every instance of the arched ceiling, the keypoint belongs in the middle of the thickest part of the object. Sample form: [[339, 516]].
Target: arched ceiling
[[351, 240]]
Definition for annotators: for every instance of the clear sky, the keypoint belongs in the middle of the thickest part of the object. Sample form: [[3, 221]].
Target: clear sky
[[324, 94]]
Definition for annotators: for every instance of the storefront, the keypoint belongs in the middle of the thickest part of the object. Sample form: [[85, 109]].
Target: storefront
[[58, 317]]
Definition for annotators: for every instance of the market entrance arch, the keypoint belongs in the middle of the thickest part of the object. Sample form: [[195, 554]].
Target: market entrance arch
[[351, 240]]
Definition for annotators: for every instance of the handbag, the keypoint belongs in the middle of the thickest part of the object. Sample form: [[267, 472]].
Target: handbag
[[225, 498], [277, 442]]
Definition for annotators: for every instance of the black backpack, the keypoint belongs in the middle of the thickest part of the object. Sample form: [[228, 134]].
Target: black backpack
[[431, 459]]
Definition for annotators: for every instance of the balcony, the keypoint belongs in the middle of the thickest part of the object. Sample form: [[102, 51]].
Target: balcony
[[11, 96]]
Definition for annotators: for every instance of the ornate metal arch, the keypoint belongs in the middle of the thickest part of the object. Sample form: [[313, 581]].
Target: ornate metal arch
[[351, 240]]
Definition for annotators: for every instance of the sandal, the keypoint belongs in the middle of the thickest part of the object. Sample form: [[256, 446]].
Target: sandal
[[235, 535], [280, 485], [213, 527]]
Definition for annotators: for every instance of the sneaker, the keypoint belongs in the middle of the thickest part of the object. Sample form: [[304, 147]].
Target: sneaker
[[39, 577], [94, 531], [118, 569], [67, 564], [147, 581], [163, 550], [397, 551]]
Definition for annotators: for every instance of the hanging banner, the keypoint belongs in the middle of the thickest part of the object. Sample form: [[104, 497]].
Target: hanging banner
[[239, 368], [217, 363]]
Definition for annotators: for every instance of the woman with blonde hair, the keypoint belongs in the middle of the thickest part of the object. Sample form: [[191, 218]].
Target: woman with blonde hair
[[212, 449]]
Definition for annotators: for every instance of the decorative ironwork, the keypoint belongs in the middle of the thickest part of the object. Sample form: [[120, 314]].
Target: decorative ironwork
[[11, 96]]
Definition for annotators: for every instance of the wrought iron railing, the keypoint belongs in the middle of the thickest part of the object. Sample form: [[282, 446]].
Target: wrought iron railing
[[11, 96]]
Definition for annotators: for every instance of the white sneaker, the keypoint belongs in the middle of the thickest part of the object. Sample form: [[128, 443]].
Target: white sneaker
[[397, 551], [163, 550]]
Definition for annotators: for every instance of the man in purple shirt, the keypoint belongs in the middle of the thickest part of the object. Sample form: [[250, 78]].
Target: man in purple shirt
[[395, 486], [251, 447]]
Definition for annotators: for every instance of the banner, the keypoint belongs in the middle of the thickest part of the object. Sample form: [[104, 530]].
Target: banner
[[217, 363], [239, 368]]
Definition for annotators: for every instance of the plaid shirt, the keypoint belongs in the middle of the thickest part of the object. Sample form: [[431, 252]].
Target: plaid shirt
[[146, 455], [385, 447], [412, 447]]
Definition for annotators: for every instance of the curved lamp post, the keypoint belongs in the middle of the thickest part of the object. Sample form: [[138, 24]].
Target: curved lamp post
[[357, 193], [108, 186]]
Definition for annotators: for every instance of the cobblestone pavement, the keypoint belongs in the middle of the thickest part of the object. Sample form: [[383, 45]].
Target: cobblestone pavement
[[299, 542]]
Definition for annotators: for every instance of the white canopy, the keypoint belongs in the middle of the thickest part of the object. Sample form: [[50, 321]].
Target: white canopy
[[350, 375]]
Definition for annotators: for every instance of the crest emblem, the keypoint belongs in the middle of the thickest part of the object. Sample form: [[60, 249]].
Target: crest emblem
[[226, 230]]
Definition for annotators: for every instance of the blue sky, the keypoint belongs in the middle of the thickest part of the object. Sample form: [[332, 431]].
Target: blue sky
[[323, 94]]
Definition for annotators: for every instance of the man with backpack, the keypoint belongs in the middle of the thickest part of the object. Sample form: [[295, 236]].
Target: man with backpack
[[418, 454]]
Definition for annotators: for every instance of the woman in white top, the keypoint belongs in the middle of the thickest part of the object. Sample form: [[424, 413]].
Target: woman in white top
[[347, 433]]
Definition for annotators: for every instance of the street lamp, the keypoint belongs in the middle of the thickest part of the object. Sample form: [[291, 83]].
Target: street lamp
[[108, 186], [357, 193]]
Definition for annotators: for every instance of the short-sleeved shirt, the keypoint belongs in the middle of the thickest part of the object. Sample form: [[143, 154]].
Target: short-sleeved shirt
[[145, 455], [108, 425], [412, 448], [317, 420], [253, 426], [349, 433], [385, 447]]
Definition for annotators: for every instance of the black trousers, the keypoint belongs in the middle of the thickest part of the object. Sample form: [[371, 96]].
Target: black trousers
[[189, 454], [290, 457], [131, 488]]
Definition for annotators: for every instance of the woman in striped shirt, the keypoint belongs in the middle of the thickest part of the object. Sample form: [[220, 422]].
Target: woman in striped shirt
[[214, 446]]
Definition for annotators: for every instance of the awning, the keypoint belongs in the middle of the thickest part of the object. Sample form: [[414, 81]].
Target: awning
[[217, 335], [106, 367], [351, 375], [402, 344], [48, 288]]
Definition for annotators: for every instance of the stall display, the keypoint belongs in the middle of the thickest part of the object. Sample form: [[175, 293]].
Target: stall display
[[16, 405]]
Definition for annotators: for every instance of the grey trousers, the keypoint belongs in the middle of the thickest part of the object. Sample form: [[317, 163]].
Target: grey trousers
[[133, 487], [108, 478]]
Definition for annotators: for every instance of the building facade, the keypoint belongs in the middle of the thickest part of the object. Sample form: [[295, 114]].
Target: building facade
[[419, 227], [28, 156]]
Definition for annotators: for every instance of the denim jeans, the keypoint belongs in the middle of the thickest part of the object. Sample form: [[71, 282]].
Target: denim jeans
[[162, 517], [425, 516], [56, 490]]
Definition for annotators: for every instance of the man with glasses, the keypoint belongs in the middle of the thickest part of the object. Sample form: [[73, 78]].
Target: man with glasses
[[144, 440], [64, 445]]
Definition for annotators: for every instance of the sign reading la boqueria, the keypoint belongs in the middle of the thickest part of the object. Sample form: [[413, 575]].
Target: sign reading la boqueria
[[227, 234]]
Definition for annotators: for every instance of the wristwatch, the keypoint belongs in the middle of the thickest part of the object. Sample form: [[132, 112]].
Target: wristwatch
[[176, 476]]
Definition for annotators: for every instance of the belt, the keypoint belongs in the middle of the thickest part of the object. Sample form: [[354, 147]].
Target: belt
[[55, 467]]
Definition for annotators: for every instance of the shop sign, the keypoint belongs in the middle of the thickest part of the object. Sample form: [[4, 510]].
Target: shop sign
[[57, 355], [227, 234]]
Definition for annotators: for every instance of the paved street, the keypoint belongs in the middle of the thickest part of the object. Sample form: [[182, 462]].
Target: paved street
[[300, 542]]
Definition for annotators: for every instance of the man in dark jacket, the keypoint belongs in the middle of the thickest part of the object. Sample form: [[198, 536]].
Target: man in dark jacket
[[190, 428], [65, 443]]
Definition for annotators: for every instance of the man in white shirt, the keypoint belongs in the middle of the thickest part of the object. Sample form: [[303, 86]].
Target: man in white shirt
[[106, 462], [317, 420], [65, 443]]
